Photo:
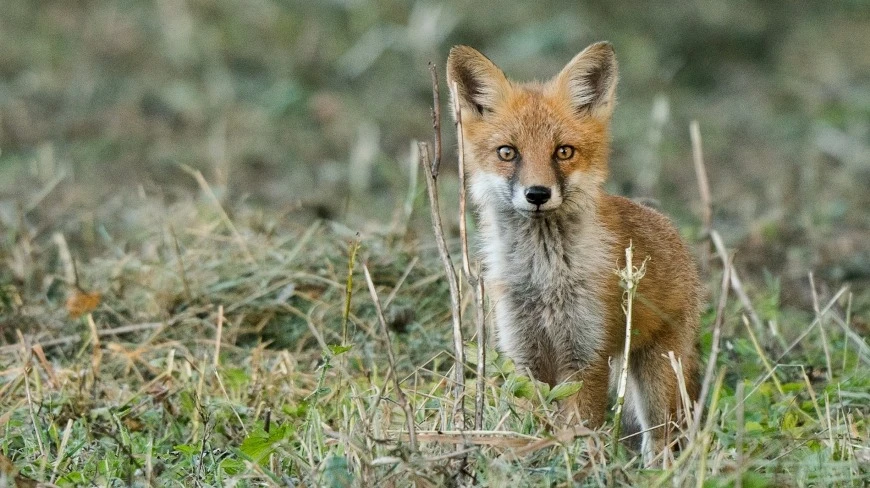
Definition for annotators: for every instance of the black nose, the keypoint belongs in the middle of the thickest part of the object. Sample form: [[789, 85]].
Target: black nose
[[537, 195]]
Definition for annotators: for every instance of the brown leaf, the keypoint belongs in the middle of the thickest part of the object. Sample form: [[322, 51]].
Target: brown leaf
[[22, 481], [8, 470], [40, 354], [82, 302], [133, 424]]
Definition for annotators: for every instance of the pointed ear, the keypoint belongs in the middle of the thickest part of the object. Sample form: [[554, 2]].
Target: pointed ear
[[479, 82], [589, 80]]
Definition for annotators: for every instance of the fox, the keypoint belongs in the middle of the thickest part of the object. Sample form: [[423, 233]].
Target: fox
[[551, 239]]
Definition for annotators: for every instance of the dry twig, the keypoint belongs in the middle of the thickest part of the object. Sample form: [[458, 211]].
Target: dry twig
[[820, 319], [707, 218], [400, 395], [474, 279], [717, 334], [736, 284], [738, 395], [815, 322], [703, 188], [629, 278], [463, 231], [218, 337], [205, 187], [479, 319], [564, 436], [432, 167]]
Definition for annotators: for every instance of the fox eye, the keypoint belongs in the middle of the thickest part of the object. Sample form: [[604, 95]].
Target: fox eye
[[507, 153], [564, 153]]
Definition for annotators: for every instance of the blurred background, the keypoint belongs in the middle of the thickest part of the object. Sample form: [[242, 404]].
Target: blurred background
[[308, 109]]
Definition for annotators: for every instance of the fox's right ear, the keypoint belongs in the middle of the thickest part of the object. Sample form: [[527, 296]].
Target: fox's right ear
[[478, 82]]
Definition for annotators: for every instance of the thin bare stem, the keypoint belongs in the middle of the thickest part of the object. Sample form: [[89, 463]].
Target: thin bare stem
[[411, 195], [813, 398], [453, 282], [36, 425], [690, 451], [463, 231], [392, 295], [348, 293], [400, 395], [736, 284], [863, 349], [717, 334], [218, 337], [703, 188], [763, 357], [229, 402], [474, 279], [205, 187], [739, 397], [432, 167], [181, 271], [435, 164], [479, 319], [630, 277], [677, 366], [96, 353], [65, 257], [821, 320], [815, 322], [846, 322]]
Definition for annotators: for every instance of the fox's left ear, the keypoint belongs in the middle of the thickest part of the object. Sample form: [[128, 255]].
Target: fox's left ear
[[590, 80]]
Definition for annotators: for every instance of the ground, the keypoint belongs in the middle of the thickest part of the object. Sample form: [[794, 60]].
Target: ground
[[183, 185]]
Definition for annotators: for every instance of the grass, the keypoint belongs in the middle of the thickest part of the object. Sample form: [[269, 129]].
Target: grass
[[216, 356], [183, 187]]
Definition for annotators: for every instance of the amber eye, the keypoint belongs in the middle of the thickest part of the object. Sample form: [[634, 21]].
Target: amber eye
[[507, 153], [564, 153]]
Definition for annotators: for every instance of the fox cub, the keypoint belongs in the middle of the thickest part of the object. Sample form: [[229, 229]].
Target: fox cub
[[552, 239]]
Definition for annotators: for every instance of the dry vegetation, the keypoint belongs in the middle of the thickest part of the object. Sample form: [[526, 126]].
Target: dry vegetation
[[180, 307]]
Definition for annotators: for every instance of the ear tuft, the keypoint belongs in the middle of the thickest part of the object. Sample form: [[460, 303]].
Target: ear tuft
[[590, 80], [478, 82]]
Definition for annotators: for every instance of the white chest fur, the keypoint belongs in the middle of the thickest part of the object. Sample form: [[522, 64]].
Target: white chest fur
[[551, 273]]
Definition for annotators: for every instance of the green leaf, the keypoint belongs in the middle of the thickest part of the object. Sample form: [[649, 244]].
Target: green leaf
[[564, 390], [235, 378], [232, 466], [507, 366], [298, 410], [186, 449], [336, 472], [470, 349], [789, 421], [520, 386], [752, 479], [75, 478], [260, 444], [528, 388], [188, 404], [338, 350]]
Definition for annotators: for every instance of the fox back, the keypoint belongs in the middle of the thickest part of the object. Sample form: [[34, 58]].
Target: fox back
[[552, 239]]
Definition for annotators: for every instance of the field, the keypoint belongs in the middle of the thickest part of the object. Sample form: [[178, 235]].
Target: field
[[191, 192]]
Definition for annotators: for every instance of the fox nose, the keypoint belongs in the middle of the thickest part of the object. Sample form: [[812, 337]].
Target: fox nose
[[537, 195]]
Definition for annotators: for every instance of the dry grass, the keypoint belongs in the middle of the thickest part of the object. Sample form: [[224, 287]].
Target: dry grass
[[171, 314], [216, 355]]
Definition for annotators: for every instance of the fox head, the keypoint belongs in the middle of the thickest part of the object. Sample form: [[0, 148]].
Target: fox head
[[535, 148]]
